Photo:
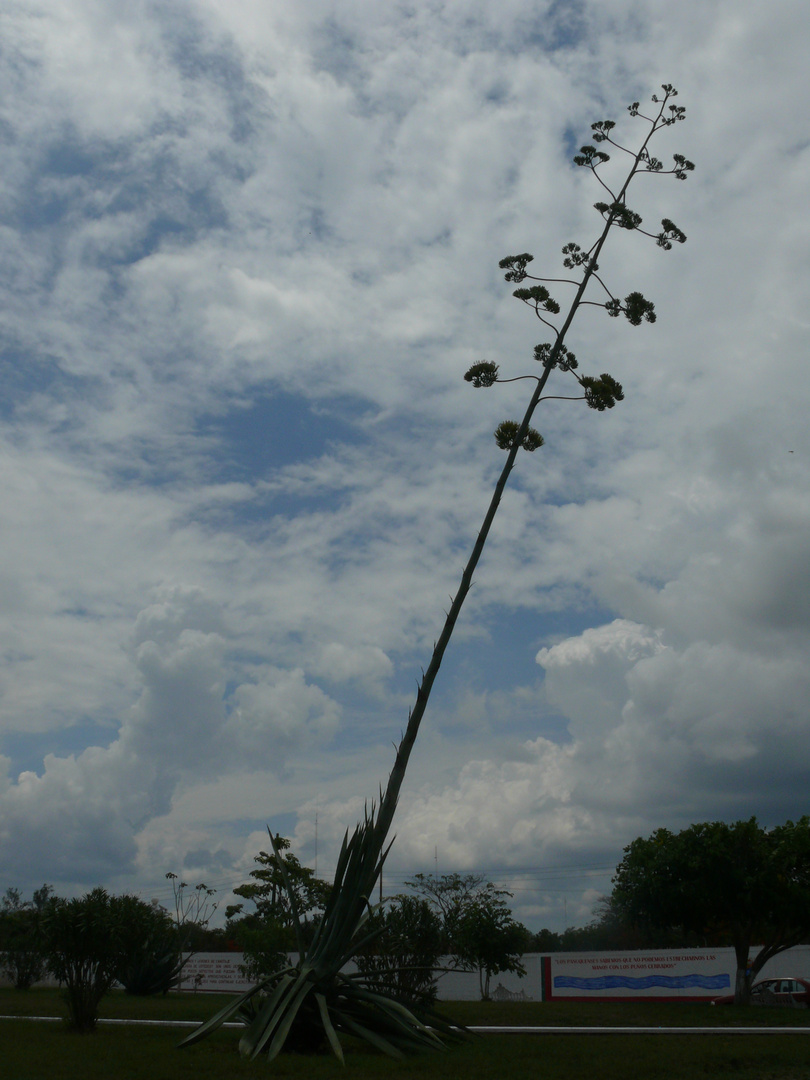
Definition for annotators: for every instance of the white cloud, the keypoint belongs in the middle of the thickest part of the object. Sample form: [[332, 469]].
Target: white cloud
[[195, 719], [586, 676], [367, 664], [273, 719]]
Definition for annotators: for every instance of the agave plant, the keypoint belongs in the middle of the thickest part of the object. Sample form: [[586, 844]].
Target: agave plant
[[316, 995], [311, 1003], [154, 968]]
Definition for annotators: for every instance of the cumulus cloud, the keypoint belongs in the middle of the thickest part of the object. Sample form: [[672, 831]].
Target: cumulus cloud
[[367, 664], [594, 702], [197, 716], [660, 734]]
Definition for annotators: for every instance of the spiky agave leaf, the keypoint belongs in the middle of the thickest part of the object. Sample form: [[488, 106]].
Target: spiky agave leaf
[[232, 1009], [156, 972], [273, 1025], [329, 1028], [386, 1024]]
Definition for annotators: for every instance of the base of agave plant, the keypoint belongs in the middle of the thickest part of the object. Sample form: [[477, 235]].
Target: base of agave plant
[[315, 999], [306, 1036]]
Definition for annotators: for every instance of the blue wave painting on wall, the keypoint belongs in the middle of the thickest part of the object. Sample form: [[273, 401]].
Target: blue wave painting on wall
[[628, 982]]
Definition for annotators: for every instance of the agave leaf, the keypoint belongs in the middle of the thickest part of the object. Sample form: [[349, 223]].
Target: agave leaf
[[449, 1030], [402, 1019], [220, 1017], [387, 1025], [283, 1029], [373, 1037], [265, 1020], [437, 1023], [357, 946], [328, 1027], [395, 1029], [330, 903], [388, 1004], [356, 873]]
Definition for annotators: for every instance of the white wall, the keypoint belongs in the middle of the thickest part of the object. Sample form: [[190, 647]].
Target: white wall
[[219, 972]]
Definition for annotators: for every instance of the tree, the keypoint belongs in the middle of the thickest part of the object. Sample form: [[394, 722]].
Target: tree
[[741, 883], [157, 945], [266, 934], [402, 960], [317, 980], [268, 891], [545, 941], [21, 956], [151, 949], [83, 941], [611, 929], [96, 940], [264, 944], [479, 931]]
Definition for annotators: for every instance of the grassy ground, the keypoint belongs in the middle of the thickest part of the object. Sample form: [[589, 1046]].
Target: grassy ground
[[34, 1051], [619, 1014]]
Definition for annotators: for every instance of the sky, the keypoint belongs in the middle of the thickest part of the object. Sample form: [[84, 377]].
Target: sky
[[249, 249]]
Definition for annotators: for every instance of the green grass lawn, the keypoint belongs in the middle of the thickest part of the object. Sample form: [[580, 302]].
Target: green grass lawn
[[31, 1050]]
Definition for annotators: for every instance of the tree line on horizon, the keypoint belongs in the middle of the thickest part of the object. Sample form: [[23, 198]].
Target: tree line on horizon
[[714, 884]]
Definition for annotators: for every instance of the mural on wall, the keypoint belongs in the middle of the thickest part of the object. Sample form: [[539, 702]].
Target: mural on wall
[[695, 975]]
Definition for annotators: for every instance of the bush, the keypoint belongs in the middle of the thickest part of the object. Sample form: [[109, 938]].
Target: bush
[[264, 943], [21, 955], [83, 943], [151, 961], [402, 960], [95, 941]]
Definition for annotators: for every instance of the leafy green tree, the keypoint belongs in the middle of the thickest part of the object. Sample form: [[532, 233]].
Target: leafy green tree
[[266, 933], [315, 990], [151, 948], [84, 945], [209, 939], [403, 958], [741, 883], [449, 894], [479, 931], [268, 890], [611, 929], [545, 941], [490, 940], [21, 956], [94, 941], [264, 944]]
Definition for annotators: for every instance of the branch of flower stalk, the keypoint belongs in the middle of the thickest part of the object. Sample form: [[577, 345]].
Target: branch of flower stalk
[[426, 685]]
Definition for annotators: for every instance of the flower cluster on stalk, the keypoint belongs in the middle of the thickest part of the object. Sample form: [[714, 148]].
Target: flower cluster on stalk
[[603, 391]]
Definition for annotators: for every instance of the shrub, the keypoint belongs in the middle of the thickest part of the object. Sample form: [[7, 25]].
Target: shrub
[[83, 944], [402, 960], [21, 955], [151, 960], [265, 943], [97, 940]]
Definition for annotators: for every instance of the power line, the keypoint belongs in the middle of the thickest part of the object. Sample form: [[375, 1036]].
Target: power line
[[521, 880]]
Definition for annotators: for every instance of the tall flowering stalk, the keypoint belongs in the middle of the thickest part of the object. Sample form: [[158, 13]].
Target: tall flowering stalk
[[315, 1000]]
